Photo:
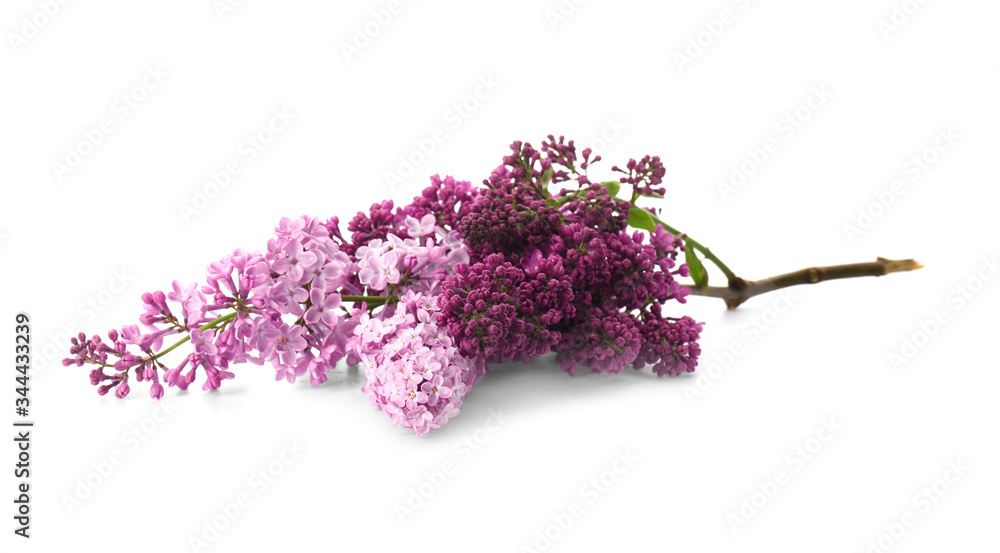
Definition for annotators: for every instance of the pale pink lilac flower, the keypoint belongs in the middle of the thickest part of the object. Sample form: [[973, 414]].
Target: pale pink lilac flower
[[417, 376], [379, 270], [423, 227]]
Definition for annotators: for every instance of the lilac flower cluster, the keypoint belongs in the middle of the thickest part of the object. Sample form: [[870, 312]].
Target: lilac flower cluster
[[644, 175], [670, 345], [415, 373], [426, 296], [561, 272], [500, 312], [605, 341], [507, 217], [239, 315]]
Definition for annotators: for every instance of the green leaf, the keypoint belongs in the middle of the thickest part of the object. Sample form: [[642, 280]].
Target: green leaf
[[553, 202], [567, 198], [613, 187], [656, 195], [698, 273], [547, 177], [641, 219]]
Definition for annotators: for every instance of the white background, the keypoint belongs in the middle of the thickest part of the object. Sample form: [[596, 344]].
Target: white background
[[606, 69]]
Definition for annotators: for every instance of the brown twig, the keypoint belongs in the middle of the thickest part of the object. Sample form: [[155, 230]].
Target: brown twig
[[740, 290]]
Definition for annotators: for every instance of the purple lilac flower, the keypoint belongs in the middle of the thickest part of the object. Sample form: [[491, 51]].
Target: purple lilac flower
[[257, 290], [282, 344], [296, 263], [514, 212], [605, 341], [323, 308], [202, 342], [644, 175], [669, 345], [478, 310]]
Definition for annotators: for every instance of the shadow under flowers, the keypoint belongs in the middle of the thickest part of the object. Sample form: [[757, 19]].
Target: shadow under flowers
[[518, 389], [521, 389]]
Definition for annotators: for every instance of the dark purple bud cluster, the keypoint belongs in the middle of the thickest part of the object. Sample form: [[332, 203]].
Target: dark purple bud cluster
[[508, 217], [604, 340], [644, 175], [670, 345], [448, 199], [561, 272]]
